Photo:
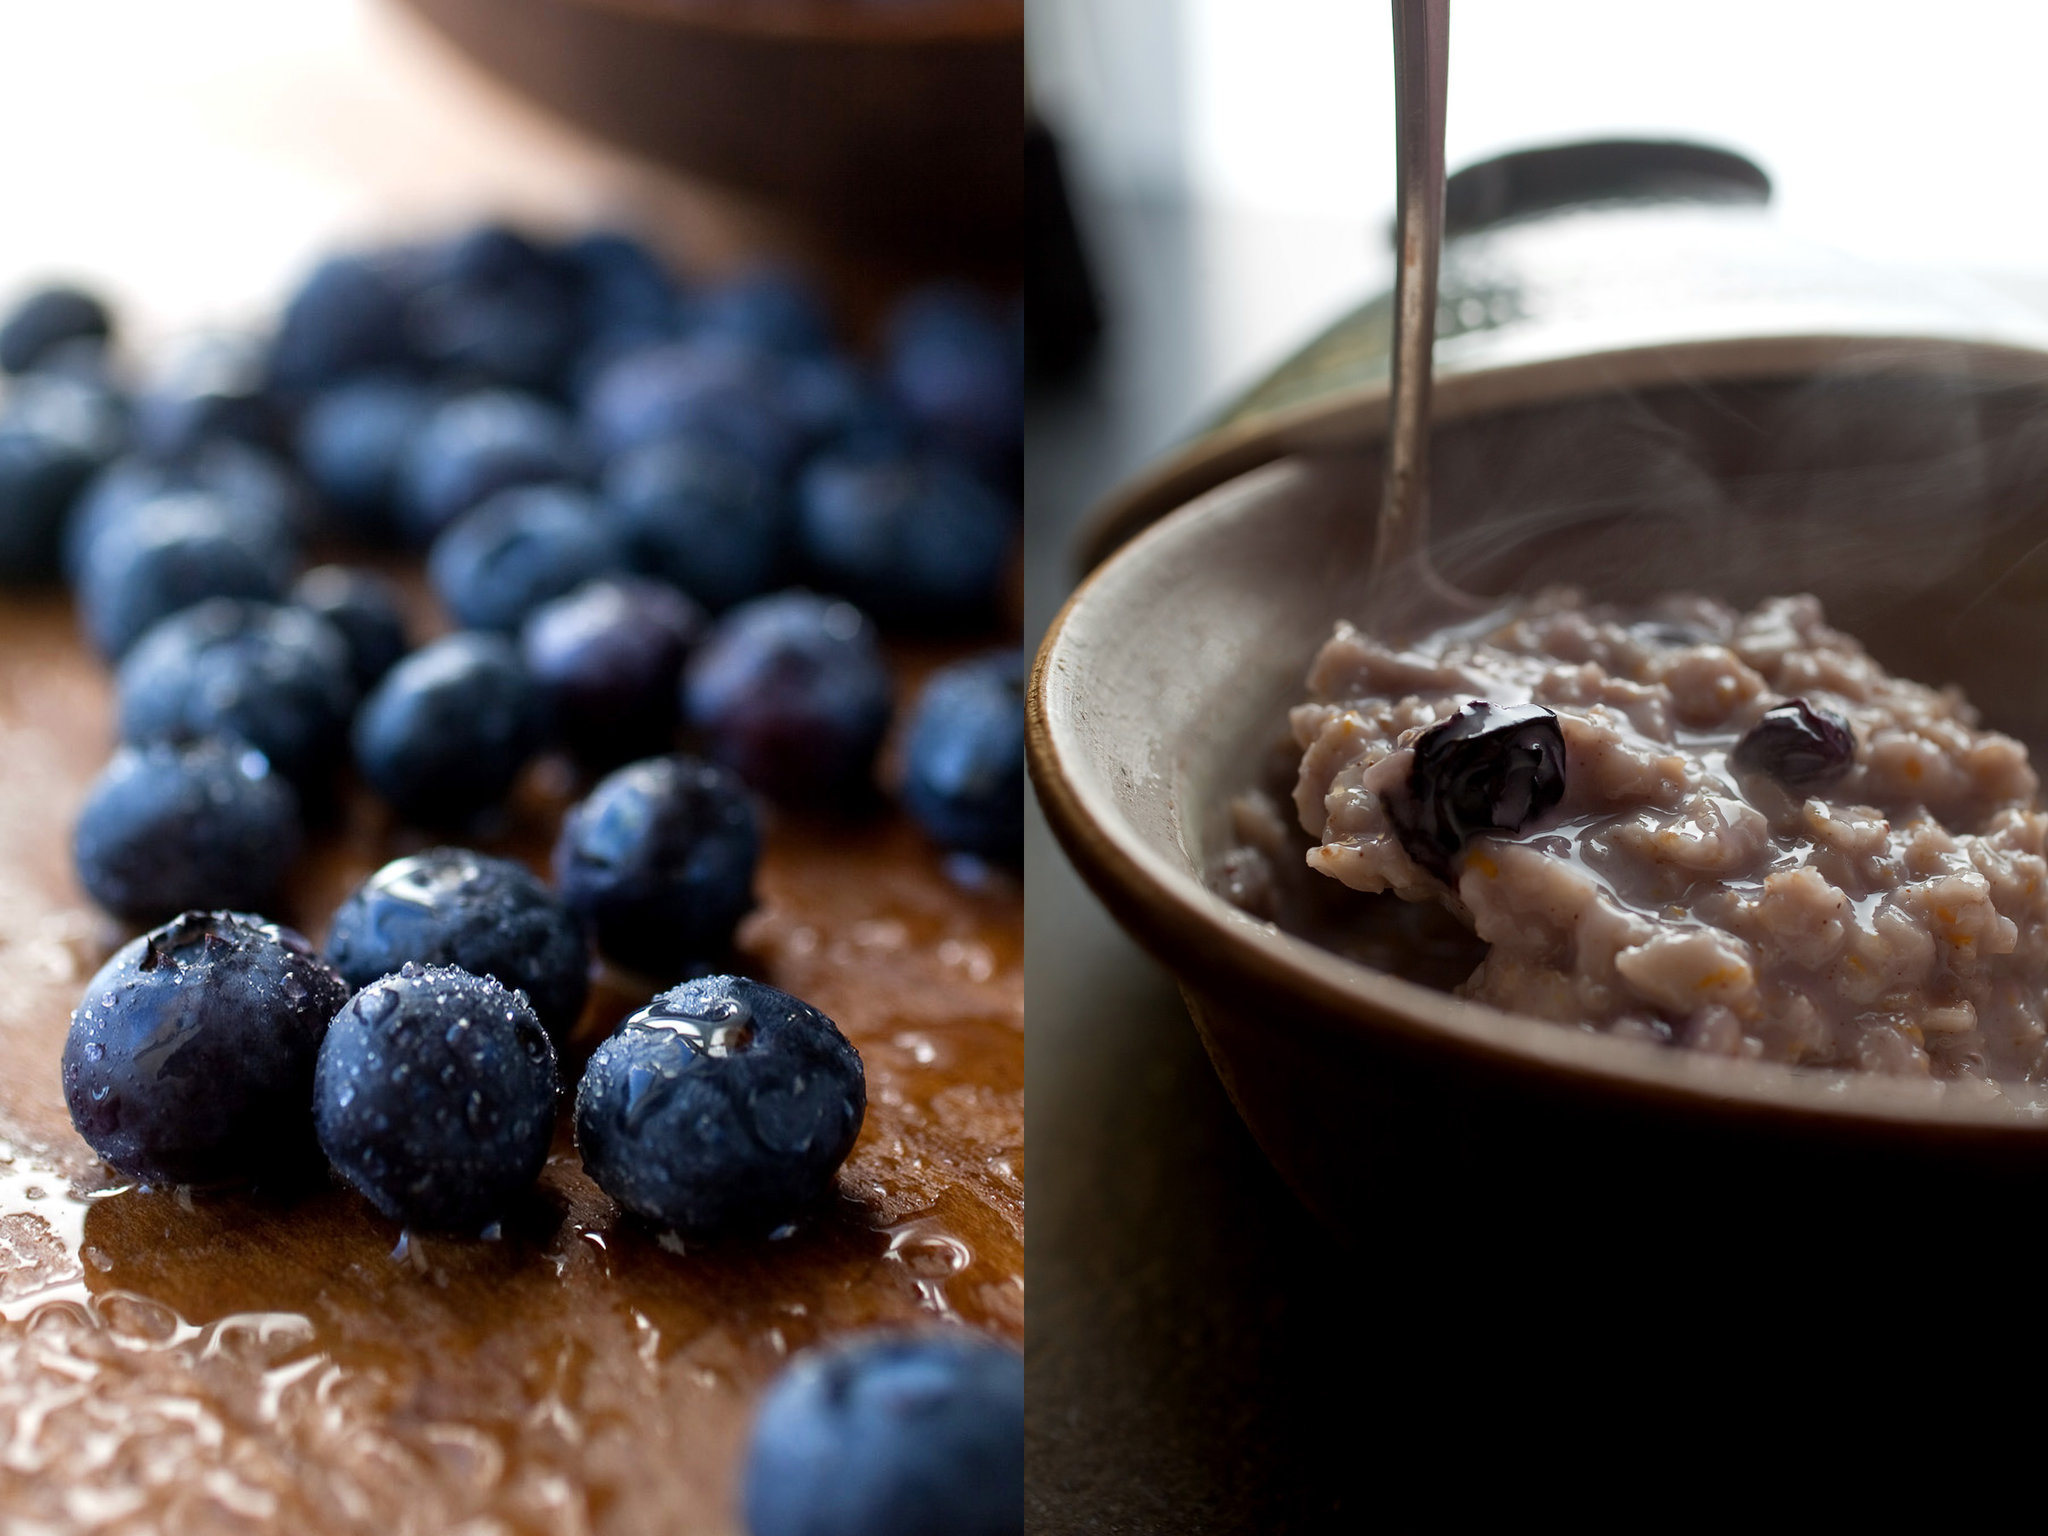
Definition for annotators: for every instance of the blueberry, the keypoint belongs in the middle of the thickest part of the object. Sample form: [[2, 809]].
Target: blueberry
[[696, 513], [1804, 747], [363, 608], [770, 308], [251, 486], [190, 1059], [659, 860], [717, 388], [45, 320], [623, 291], [472, 446], [891, 1434], [277, 678], [172, 552], [435, 1097], [347, 318], [447, 731], [492, 308], [956, 366], [490, 917], [918, 542], [47, 456], [523, 547], [839, 404], [963, 775], [607, 660], [352, 440], [1489, 768], [791, 692], [722, 1106], [218, 386], [176, 825]]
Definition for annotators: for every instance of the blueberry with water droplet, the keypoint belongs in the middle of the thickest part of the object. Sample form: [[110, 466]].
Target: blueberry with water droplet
[[722, 1106], [1489, 768], [891, 1434], [1803, 747], [195, 1062], [450, 906], [435, 1097]]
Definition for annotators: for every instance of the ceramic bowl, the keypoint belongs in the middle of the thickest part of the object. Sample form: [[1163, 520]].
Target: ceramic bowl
[[1904, 481], [897, 124]]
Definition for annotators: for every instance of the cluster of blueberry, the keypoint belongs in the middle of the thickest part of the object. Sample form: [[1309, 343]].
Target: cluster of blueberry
[[614, 477]]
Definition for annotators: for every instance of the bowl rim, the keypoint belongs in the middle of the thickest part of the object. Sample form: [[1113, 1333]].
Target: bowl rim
[[1199, 936]]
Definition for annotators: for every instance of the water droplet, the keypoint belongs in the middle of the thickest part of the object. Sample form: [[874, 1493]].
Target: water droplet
[[376, 1004]]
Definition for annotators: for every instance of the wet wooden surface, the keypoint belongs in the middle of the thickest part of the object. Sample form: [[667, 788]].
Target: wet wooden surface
[[223, 1362]]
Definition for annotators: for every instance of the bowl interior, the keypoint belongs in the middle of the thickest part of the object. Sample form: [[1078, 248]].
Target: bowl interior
[[1909, 492]]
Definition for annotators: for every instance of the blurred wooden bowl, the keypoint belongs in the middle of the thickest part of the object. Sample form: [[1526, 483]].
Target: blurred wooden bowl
[[897, 123]]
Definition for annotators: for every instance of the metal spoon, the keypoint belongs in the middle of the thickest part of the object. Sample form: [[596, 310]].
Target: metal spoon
[[1407, 592]]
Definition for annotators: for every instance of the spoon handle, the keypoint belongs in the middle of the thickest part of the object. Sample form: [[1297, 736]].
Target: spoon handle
[[1421, 48]]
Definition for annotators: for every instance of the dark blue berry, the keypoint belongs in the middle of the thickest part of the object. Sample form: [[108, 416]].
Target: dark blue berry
[[363, 608], [275, 677], [770, 308], [891, 1434], [491, 308], [176, 825], [696, 513], [347, 318], [917, 542], [473, 446], [252, 487], [606, 660], [190, 1059], [435, 1097], [45, 320], [520, 548], [722, 1106], [659, 861], [447, 731], [791, 691], [352, 440], [840, 406], [490, 917], [1488, 769], [623, 292], [963, 760], [54, 436], [1803, 746], [720, 389], [218, 387], [172, 552], [955, 364]]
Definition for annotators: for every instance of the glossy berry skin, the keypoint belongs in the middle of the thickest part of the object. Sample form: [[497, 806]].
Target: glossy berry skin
[[917, 542], [1489, 768], [699, 515], [191, 1057], [46, 319], [218, 387], [522, 547], [347, 318], [172, 826], [351, 442], [955, 365], [891, 1434], [363, 608], [489, 307], [1804, 747], [172, 553], [275, 677], [252, 488], [435, 1097], [963, 760], [723, 1106], [607, 659], [447, 731], [792, 693], [659, 860], [721, 389], [490, 917], [473, 446]]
